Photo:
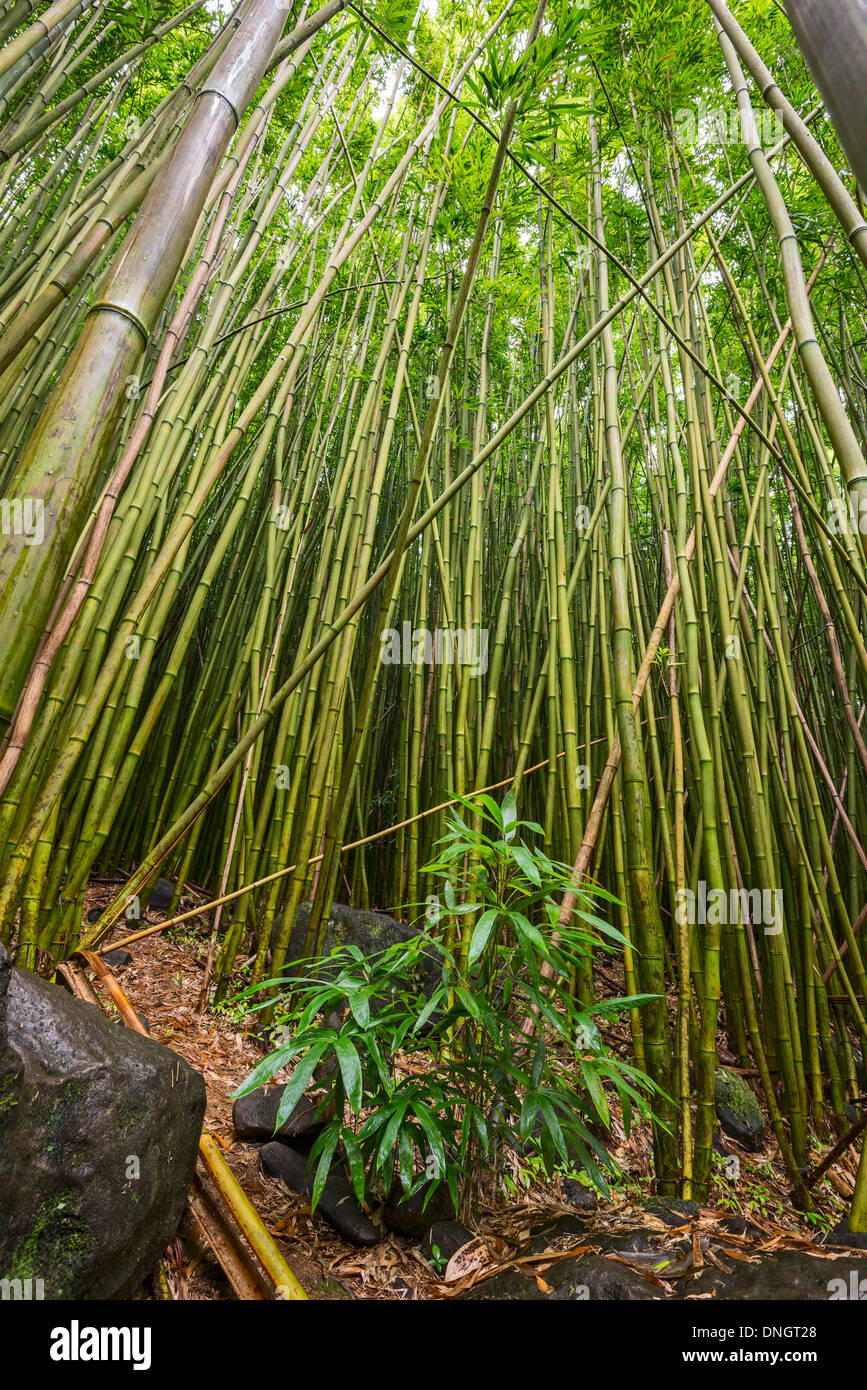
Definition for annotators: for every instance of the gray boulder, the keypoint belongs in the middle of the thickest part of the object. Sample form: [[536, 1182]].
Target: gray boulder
[[672, 1210], [841, 1235], [116, 960], [790, 1276], [160, 897], [99, 1131], [578, 1195]]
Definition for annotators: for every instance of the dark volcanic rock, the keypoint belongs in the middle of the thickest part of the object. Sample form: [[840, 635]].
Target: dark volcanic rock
[[544, 1233], [254, 1116], [672, 1210], [406, 1217], [639, 1242], [787, 1276], [370, 931], [99, 1131], [444, 1239], [737, 1109], [337, 1204], [790, 1276], [742, 1226], [587, 1278], [841, 1235], [116, 960], [161, 896], [578, 1195]]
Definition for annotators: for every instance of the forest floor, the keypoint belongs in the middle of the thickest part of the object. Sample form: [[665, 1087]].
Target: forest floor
[[163, 982]]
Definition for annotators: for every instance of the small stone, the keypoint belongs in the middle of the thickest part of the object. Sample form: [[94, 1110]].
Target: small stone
[[337, 1204], [116, 960], [444, 1239], [161, 895], [737, 1109], [254, 1116], [578, 1195]]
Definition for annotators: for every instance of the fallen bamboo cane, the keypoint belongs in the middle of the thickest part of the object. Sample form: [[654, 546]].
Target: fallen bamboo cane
[[77, 982], [125, 1008], [214, 1230], [248, 1219]]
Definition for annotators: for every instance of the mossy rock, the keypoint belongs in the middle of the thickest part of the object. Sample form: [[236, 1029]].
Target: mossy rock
[[737, 1109], [98, 1143]]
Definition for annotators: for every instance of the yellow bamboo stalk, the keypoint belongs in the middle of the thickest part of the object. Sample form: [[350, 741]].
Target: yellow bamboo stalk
[[249, 1220]]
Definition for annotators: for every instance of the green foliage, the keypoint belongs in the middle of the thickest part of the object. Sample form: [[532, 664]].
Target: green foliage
[[138, 18], [477, 1079]]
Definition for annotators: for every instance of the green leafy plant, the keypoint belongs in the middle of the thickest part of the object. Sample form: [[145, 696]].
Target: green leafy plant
[[501, 1051]]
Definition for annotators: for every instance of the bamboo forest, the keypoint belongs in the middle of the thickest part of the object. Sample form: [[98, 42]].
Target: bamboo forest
[[433, 583]]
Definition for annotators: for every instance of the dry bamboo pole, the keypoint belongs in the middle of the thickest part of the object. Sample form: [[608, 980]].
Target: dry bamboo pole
[[249, 1221]]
